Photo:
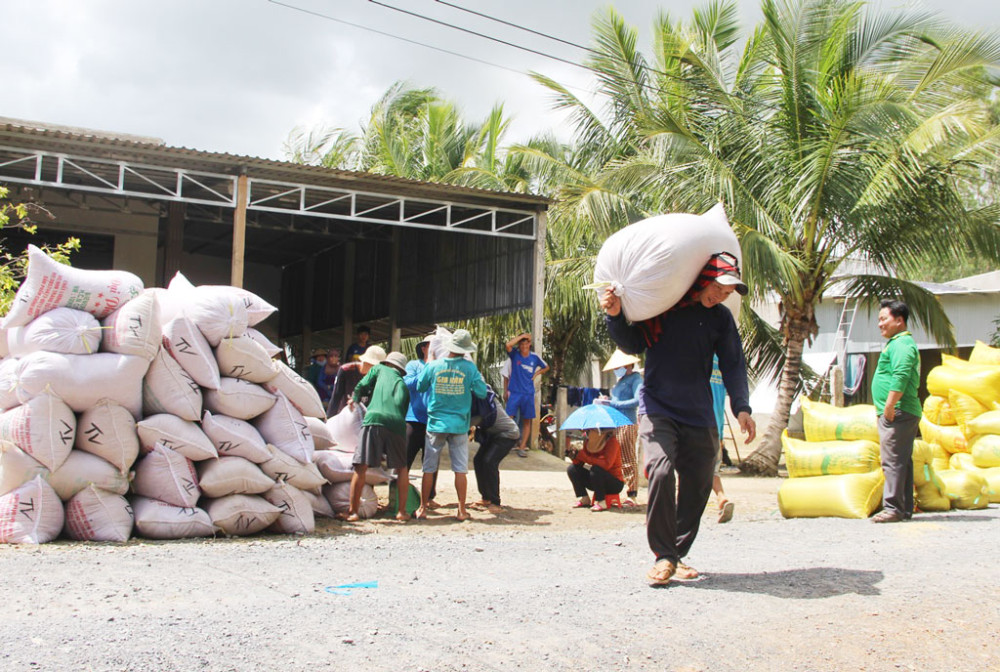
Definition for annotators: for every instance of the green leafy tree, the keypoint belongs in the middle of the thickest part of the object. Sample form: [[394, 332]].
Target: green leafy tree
[[14, 265], [832, 133]]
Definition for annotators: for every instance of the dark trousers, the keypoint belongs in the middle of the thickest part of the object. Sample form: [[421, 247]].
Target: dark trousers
[[676, 501], [487, 465], [416, 439], [896, 439], [597, 479]]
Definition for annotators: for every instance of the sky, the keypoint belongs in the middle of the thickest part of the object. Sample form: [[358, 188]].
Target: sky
[[238, 76]]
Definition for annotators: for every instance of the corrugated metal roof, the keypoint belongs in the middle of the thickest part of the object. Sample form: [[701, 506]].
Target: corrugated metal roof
[[120, 146]]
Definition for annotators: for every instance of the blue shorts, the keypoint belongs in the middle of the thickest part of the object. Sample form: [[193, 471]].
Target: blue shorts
[[521, 404], [458, 452]]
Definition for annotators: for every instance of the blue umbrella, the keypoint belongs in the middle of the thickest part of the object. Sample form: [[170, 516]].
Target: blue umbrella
[[595, 416]]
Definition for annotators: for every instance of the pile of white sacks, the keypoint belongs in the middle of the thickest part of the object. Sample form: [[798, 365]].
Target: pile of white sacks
[[160, 411]]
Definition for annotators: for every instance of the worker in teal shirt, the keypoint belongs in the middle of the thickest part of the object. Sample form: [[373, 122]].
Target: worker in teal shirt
[[450, 384]]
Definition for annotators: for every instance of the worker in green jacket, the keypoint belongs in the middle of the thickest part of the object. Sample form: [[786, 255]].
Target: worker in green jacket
[[383, 431]]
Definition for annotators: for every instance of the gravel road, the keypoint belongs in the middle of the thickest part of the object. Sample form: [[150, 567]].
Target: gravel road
[[554, 590]]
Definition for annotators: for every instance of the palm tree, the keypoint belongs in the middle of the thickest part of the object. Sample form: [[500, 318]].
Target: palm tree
[[834, 132]]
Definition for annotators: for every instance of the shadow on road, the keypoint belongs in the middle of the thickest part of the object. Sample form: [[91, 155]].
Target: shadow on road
[[951, 517], [796, 584]]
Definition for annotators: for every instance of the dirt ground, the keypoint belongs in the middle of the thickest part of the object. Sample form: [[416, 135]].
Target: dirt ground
[[538, 587]]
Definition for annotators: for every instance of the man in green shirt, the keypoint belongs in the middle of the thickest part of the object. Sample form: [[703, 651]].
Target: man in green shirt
[[894, 391], [383, 431]]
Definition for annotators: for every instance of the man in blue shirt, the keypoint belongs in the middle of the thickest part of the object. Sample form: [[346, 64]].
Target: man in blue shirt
[[525, 366], [678, 426], [450, 384], [416, 415]]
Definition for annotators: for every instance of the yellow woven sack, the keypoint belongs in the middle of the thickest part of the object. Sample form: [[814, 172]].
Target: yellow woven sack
[[950, 438], [986, 451], [823, 458], [938, 410], [964, 407], [984, 354], [985, 423], [981, 381], [930, 498], [965, 489], [939, 457], [924, 470], [992, 476], [961, 462], [823, 422], [844, 496]]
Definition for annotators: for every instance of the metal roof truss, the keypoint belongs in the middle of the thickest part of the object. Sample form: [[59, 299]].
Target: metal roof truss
[[127, 179]]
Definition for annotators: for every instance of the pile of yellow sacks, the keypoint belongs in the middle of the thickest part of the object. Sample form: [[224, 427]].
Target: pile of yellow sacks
[[836, 471], [961, 425]]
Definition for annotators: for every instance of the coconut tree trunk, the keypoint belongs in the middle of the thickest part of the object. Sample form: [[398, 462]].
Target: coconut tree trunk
[[764, 460]]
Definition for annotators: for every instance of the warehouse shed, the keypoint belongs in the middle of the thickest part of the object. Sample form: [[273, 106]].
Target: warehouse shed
[[332, 249]]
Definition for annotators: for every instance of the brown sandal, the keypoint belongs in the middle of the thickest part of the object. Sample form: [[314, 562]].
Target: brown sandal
[[661, 573]]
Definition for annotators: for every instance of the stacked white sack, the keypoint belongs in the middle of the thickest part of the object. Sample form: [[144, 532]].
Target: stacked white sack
[[62, 360]]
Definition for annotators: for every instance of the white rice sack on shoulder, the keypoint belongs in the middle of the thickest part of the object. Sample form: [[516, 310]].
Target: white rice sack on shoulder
[[186, 344], [79, 380], [239, 399], [270, 348], [339, 496], [43, 427], [63, 330], [158, 520], [168, 388], [283, 427], [235, 438], [168, 476], [82, 469], [217, 315], [284, 467], [98, 515], [134, 328], [50, 284], [244, 358], [241, 515], [30, 514], [297, 516], [175, 433], [108, 431], [298, 390], [345, 428], [232, 476], [335, 465], [322, 438], [651, 264], [437, 344], [17, 468], [320, 504]]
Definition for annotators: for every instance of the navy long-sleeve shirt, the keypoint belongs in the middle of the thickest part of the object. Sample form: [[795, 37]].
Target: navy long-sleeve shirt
[[679, 364]]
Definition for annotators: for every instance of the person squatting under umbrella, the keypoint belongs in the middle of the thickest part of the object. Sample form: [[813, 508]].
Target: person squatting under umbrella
[[597, 466], [625, 398]]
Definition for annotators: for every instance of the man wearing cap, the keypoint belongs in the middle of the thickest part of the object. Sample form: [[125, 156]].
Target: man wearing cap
[[450, 384], [416, 414], [383, 431], [625, 398], [678, 430], [348, 377], [525, 367]]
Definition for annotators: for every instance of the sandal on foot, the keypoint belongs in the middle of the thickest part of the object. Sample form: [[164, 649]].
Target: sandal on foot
[[581, 505], [599, 506], [726, 511], [661, 573], [629, 503], [687, 573]]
